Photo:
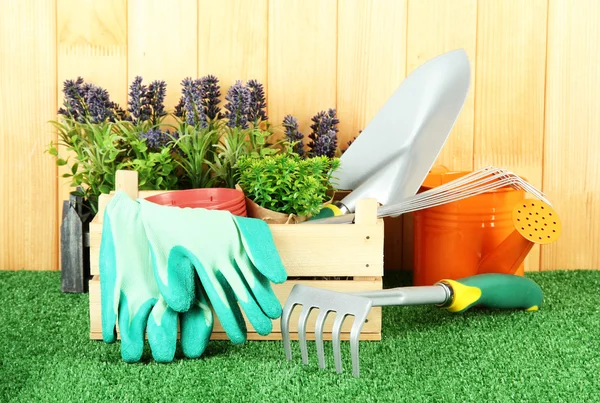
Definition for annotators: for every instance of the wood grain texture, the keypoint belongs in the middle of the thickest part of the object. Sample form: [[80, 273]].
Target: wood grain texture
[[371, 60], [28, 213], [301, 59], [571, 164], [509, 90], [371, 65], [92, 43], [436, 27], [232, 41], [163, 43]]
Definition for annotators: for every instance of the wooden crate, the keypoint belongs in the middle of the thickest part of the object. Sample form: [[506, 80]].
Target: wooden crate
[[336, 257]]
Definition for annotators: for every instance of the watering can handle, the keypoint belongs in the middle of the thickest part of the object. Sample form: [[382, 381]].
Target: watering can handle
[[503, 291]]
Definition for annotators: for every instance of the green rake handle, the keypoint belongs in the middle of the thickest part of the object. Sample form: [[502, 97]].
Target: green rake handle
[[491, 290]]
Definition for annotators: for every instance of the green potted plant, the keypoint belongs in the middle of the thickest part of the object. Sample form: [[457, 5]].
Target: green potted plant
[[286, 188]]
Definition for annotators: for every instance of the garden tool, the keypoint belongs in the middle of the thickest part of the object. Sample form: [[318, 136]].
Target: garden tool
[[393, 154], [477, 182], [535, 223], [234, 258], [496, 291]]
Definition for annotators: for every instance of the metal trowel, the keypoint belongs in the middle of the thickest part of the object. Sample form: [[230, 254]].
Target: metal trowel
[[393, 154]]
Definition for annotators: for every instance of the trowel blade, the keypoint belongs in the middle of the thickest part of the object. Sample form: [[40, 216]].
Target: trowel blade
[[409, 131]]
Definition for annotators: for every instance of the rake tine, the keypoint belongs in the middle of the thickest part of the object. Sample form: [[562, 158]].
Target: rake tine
[[335, 336], [302, 333], [285, 329], [319, 337], [354, 338]]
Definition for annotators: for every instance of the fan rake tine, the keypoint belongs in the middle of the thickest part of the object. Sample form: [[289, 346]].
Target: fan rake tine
[[342, 304], [285, 330], [336, 338], [357, 326], [302, 332], [319, 337]]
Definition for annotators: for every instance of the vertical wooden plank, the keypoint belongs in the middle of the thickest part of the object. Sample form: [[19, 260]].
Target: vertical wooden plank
[[371, 60], [371, 65], [301, 59], [436, 27], [28, 216], [232, 41], [509, 91], [168, 54], [92, 43], [571, 164]]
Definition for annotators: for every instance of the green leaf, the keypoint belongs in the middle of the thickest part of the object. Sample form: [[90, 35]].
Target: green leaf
[[61, 162], [105, 189], [74, 168]]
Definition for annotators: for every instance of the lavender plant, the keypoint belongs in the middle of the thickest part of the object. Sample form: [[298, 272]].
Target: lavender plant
[[324, 134], [139, 110], [155, 138], [258, 103], [85, 129], [293, 134], [97, 154], [211, 99], [84, 102], [190, 108], [238, 106], [151, 153]]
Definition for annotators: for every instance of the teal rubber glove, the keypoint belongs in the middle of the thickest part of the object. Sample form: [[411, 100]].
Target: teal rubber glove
[[130, 295], [234, 257]]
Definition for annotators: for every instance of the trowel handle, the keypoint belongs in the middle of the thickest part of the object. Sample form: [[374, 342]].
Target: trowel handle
[[503, 291], [334, 209]]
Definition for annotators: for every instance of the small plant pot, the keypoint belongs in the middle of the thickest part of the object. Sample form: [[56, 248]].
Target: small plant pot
[[270, 216], [210, 198]]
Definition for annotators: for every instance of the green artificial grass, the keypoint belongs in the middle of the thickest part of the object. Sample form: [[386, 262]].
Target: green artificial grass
[[426, 354]]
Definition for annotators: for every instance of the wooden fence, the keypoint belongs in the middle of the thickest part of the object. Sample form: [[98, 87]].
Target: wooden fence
[[531, 108]]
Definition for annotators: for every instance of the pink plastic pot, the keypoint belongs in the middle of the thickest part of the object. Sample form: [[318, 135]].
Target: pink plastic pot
[[209, 198]]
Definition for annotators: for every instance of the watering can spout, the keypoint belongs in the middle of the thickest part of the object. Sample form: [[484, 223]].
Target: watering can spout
[[535, 223]]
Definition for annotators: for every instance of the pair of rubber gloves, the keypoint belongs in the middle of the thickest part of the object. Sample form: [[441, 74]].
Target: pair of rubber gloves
[[160, 265]]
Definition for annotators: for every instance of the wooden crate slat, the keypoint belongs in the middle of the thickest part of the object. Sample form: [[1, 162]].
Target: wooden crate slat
[[371, 329]]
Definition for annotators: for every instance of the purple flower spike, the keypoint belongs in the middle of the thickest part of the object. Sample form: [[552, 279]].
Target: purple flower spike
[[292, 134], [238, 107], [324, 134], [98, 103], [87, 101], [155, 138], [73, 103], [258, 103], [155, 98], [138, 110], [147, 102], [190, 104], [211, 100]]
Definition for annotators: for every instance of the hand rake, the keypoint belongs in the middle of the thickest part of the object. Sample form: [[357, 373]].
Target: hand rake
[[491, 290]]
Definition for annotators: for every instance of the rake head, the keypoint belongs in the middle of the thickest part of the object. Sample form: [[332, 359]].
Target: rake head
[[326, 301]]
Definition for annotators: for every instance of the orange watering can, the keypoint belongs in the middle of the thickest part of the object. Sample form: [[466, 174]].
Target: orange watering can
[[488, 233]]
